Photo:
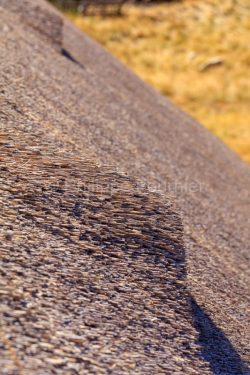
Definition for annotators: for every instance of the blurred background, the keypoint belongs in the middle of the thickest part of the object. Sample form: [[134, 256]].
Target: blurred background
[[196, 52]]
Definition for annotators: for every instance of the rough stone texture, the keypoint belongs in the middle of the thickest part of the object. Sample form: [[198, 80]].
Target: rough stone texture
[[83, 104]]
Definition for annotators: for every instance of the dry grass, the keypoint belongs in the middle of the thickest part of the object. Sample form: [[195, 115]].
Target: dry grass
[[168, 45]]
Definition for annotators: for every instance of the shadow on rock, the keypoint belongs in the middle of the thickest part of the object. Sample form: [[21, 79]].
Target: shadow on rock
[[216, 349]]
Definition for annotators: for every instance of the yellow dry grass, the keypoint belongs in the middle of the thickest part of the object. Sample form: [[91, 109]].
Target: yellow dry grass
[[171, 45]]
